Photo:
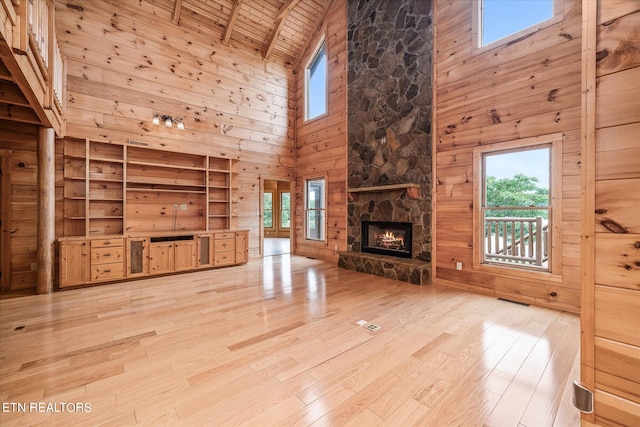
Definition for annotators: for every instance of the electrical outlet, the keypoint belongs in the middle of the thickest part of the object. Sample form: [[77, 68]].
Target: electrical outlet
[[335, 247], [458, 266], [183, 207]]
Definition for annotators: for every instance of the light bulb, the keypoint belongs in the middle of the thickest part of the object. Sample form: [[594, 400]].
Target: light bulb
[[167, 121], [156, 119]]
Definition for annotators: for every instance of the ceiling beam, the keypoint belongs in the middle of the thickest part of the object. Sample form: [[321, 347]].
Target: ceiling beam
[[286, 8], [281, 17], [177, 9], [232, 21], [274, 38]]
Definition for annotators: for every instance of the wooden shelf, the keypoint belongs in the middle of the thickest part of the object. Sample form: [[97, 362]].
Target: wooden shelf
[[106, 160], [413, 190], [119, 181], [166, 190], [161, 165]]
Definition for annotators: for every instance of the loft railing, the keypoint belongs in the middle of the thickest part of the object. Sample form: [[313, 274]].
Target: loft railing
[[42, 39], [517, 240], [28, 27]]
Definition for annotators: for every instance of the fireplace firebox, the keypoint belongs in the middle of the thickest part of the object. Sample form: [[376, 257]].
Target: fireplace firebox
[[387, 238]]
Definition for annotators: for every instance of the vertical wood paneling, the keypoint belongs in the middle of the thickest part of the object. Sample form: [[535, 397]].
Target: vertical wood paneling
[[614, 336], [321, 144], [520, 89]]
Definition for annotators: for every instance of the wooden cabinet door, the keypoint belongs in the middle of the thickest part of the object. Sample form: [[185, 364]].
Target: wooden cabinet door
[[242, 247], [205, 250], [137, 257], [74, 263], [161, 257], [185, 255]]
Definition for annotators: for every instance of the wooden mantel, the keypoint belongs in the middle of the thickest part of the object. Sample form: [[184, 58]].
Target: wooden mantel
[[413, 190]]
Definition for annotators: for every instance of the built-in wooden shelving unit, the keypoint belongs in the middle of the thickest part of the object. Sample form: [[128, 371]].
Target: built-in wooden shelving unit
[[111, 189], [131, 211]]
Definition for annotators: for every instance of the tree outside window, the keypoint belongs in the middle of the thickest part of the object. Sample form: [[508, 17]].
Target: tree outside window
[[285, 210], [267, 210]]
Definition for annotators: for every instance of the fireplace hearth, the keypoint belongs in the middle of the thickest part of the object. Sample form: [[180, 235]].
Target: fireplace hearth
[[387, 238]]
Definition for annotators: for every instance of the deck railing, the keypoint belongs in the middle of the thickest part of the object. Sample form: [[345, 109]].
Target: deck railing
[[517, 240]]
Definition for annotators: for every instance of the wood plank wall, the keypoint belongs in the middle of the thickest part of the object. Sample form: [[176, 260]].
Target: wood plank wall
[[20, 140], [615, 331], [321, 144], [522, 89], [128, 60]]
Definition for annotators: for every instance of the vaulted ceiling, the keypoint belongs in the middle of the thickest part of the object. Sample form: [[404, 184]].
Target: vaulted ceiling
[[276, 29]]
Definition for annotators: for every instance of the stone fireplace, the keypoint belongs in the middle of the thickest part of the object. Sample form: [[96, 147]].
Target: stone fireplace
[[389, 133]]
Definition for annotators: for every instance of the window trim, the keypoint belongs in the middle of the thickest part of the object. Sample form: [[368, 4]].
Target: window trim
[[554, 141], [314, 55], [476, 33], [324, 239]]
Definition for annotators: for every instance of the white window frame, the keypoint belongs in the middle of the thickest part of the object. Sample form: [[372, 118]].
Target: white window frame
[[558, 15], [554, 142], [322, 209], [321, 46]]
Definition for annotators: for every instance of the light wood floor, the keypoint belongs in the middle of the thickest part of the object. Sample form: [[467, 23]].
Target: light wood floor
[[276, 246], [276, 343]]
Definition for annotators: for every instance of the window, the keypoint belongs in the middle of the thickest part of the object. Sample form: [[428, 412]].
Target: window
[[267, 209], [499, 19], [285, 210], [515, 218], [315, 82], [314, 209]]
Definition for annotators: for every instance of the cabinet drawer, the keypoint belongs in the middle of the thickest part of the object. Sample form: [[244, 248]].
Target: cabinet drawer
[[106, 255], [222, 245], [114, 270], [225, 258], [104, 243], [225, 236]]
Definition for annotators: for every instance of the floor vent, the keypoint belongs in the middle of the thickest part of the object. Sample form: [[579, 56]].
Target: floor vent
[[514, 302]]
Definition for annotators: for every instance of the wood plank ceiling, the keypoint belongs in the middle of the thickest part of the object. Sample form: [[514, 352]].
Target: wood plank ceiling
[[275, 29]]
